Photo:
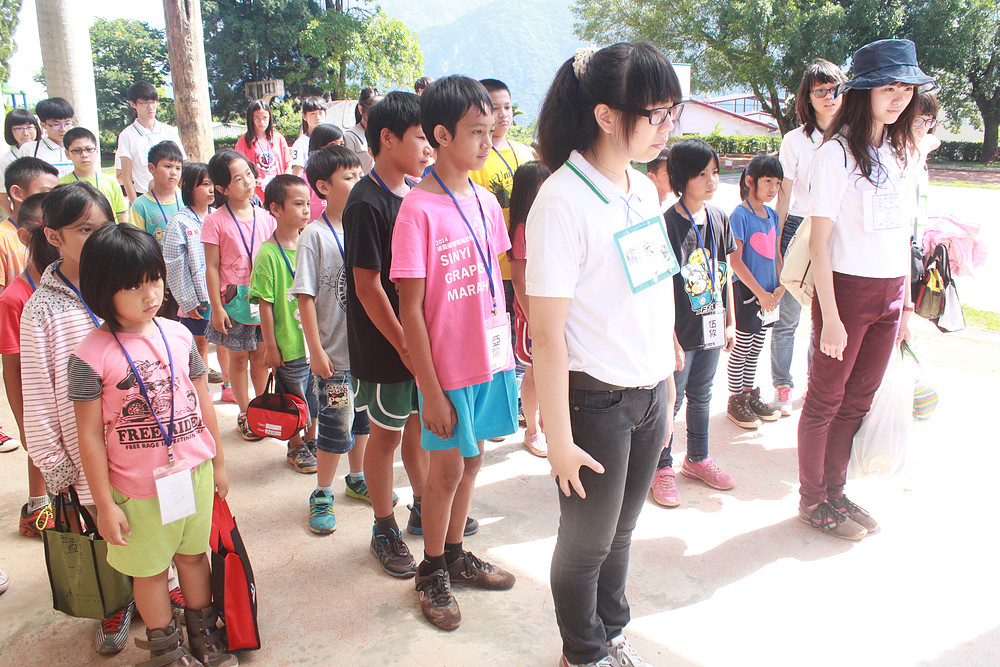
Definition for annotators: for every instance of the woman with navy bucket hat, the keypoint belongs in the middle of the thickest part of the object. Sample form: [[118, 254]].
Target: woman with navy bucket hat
[[861, 195]]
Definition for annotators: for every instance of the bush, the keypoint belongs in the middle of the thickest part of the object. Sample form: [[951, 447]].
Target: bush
[[958, 151], [287, 119], [736, 144]]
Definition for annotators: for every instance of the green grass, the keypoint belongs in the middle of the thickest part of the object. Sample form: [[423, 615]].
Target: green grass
[[964, 165], [982, 319], [967, 184]]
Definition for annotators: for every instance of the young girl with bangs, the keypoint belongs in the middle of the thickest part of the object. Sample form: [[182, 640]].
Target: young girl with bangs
[[263, 146], [313, 115], [601, 310], [861, 203]]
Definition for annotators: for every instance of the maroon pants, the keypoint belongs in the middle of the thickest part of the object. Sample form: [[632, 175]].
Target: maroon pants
[[840, 392]]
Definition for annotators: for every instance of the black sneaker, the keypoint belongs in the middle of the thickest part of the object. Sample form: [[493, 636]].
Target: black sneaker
[[414, 527], [855, 513], [437, 603], [740, 413], [760, 407], [393, 554], [472, 571]]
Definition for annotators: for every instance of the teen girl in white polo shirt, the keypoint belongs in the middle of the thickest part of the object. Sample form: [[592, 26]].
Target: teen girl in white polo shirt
[[601, 317]]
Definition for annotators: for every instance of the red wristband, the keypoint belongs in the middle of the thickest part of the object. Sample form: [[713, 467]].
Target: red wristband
[[907, 309]]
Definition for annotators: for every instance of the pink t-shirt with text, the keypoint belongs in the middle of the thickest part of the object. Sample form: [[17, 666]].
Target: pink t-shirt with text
[[220, 229], [431, 241]]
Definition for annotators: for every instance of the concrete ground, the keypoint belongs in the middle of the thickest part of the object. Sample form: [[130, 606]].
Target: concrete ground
[[726, 578]]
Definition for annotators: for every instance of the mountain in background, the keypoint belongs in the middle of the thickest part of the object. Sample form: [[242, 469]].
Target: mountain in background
[[520, 42]]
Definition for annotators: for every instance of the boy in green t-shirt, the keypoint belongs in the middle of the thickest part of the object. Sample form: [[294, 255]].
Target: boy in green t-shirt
[[81, 146], [287, 199]]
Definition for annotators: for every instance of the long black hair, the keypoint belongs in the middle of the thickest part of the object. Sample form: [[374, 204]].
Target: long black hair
[[65, 204], [258, 105], [761, 166], [527, 180]]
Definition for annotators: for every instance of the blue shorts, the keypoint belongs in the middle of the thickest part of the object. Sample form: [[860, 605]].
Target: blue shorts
[[294, 377], [485, 410], [361, 425], [196, 327], [336, 410]]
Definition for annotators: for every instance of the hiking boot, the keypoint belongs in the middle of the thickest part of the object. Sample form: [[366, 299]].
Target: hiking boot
[[359, 489], [112, 633], [33, 523], [176, 602], [760, 407], [740, 413], [536, 444], [301, 459], [414, 526], [708, 472], [470, 570], [783, 400], [322, 520], [828, 519], [664, 490], [437, 603], [393, 554], [166, 647], [243, 426], [206, 639], [623, 655], [227, 395], [855, 513]]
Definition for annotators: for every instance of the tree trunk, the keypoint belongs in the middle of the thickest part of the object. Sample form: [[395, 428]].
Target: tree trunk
[[185, 46], [991, 123]]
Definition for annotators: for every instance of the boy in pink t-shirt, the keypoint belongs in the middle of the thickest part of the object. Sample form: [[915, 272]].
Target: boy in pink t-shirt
[[451, 304]]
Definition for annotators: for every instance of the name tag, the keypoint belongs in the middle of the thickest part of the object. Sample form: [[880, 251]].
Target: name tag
[[882, 211], [646, 254], [498, 341], [713, 327], [770, 317], [174, 491], [255, 311]]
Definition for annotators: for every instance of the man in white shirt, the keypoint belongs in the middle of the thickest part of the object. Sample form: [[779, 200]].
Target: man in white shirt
[[56, 117], [135, 140]]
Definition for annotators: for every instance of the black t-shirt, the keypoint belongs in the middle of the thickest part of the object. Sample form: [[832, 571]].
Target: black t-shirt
[[369, 216], [692, 286]]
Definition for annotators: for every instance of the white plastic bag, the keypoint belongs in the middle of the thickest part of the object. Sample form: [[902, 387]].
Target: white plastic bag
[[880, 444]]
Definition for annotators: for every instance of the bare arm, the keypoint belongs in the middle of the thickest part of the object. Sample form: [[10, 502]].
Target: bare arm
[[784, 199], [319, 360], [767, 300], [211, 422], [220, 319], [834, 337], [368, 285], [272, 355], [517, 267], [111, 521], [126, 177]]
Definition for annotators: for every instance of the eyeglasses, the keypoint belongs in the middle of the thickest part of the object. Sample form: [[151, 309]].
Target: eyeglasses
[[23, 129], [89, 150], [656, 116], [146, 103], [64, 125], [820, 93], [929, 122]]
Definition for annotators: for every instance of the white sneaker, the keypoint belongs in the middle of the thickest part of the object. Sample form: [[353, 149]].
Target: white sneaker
[[783, 400], [623, 655], [4, 582], [603, 662]]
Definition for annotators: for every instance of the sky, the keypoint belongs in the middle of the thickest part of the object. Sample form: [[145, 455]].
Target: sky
[[27, 60]]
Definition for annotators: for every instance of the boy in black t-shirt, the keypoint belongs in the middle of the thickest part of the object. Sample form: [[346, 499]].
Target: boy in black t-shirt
[[705, 322]]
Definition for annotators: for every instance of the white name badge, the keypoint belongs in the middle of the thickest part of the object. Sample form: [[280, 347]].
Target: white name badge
[[498, 341], [883, 211], [713, 325], [175, 491], [646, 254], [770, 316], [255, 311]]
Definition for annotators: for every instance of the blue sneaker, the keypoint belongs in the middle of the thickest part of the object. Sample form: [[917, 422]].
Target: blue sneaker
[[359, 489], [322, 520]]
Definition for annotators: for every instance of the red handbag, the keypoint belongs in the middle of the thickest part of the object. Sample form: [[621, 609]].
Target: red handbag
[[234, 594], [277, 415]]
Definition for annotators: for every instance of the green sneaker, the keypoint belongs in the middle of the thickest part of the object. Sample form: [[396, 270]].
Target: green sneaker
[[359, 490], [322, 520]]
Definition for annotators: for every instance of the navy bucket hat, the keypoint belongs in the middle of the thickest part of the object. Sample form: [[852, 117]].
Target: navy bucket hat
[[885, 62]]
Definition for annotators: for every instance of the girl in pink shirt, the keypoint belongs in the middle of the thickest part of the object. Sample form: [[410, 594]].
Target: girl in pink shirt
[[264, 147]]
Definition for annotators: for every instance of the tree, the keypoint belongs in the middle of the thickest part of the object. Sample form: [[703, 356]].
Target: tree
[[253, 40], [760, 45], [9, 11], [125, 51], [355, 47]]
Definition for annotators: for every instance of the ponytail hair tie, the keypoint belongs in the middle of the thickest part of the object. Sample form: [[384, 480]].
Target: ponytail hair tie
[[581, 59]]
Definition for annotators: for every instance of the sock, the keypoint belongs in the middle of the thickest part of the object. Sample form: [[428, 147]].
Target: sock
[[452, 552], [227, 384], [328, 490], [432, 564], [355, 477], [386, 524], [37, 502]]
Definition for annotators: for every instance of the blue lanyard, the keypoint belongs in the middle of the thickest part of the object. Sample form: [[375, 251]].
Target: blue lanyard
[[380, 181], [70, 285], [196, 215], [253, 233], [168, 433], [340, 246], [283, 255], [488, 256], [27, 276], [266, 153], [711, 243], [513, 152], [97, 181], [163, 212]]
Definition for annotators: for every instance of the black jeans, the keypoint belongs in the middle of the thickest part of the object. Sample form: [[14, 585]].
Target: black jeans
[[624, 431]]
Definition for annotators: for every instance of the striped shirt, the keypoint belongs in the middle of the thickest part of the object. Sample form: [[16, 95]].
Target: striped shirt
[[52, 325]]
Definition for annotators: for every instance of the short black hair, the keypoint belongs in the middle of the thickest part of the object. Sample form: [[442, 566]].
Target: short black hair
[[760, 166], [493, 85], [276, 191], [687, 159], [54, 108], [65, 204], [24, 170], [422, 83], [78, 133], [322, 135], [448, 99], [324, 163], [141, 90], [927, 105], [397, 112], [659, 161], [165, 150], [19, 117], [365, 101], [116, 258], [191, 177], [311, 104], [218, 171]]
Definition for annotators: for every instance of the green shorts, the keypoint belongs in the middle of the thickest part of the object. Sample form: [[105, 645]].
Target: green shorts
[[151, 546], [388, 404]]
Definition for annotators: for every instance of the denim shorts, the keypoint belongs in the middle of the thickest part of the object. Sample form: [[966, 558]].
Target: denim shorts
[[196, 327], [361, 425], [294, 377], [336, 412], [485, 410]]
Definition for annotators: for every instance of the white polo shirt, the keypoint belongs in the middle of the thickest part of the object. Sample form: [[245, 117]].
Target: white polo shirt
[[796, 154], [50, 151], [611, 334], [837, 191], [300, 151], [134, 143]]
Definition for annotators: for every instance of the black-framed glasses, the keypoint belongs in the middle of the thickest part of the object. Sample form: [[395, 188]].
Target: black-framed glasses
[[89, 150], [820, 93], [659, 115], [928, 122], [23, 129]]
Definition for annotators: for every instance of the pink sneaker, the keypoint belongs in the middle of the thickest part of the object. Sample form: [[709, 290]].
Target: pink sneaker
[[664, 490], [708, 472], [536, 444], [783, 400], [227, 395]]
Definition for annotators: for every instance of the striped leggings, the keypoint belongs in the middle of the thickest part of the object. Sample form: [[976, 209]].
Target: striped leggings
[[742, 368]]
